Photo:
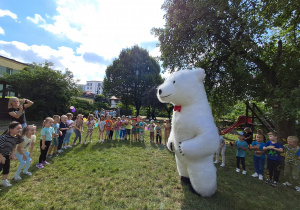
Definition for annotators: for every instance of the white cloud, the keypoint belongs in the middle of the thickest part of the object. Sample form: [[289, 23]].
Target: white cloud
[[101, 28], [2, 31], [63, 57], [8, 13], [37, 19], [105, 27]]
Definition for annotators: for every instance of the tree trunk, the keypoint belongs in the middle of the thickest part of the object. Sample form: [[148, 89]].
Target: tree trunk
[[285, 128]]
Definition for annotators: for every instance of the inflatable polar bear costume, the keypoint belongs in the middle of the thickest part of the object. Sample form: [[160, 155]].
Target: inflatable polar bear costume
[[194, 137]]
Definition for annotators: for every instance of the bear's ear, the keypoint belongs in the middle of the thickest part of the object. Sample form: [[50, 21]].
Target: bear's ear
[[200, 74]]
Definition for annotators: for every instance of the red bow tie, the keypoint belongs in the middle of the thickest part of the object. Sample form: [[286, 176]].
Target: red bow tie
[[177, 108]]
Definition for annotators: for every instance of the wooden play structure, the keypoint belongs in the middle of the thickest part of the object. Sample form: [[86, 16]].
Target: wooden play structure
[[254, 117]]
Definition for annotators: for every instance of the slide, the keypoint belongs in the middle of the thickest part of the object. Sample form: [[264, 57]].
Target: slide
[[241, 120]]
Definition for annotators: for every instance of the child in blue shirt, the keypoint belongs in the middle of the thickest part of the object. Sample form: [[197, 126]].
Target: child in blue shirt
[[47, 134], [259, 156], [241, 147], [273, 148]]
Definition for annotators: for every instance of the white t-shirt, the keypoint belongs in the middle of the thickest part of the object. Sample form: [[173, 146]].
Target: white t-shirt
[[70, 126], [101, 125], [25, 145]]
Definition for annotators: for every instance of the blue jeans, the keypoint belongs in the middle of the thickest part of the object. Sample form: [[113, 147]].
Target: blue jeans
[[67, 138], [23, 163], [122, 133], [259, 164]]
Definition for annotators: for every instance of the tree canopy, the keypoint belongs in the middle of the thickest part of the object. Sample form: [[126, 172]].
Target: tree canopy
[[131, 75], [250, 49], [50, 90]]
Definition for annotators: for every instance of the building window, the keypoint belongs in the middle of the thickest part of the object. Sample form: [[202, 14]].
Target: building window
[[9, 71]]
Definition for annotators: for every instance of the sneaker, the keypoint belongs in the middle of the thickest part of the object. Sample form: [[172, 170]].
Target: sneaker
[[222, 165], [91, 142], [238, 170], [60, 151], [99, 141], [287, 184], [49, 156], [17, 177], [27, 173], [55, 155], [39, 165], [255, 175], [45, 163], [297, 189], [102, 140], [6, 183], [69, 146], [260, 177], [216, 161], [244, 172], [74, 144], [85, 142], [274, 184], [268, 181]]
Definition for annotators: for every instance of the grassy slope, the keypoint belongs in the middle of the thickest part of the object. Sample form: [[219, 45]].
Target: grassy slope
[[117, 175]]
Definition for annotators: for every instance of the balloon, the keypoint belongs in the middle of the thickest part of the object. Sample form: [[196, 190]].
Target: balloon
[[74, 110], [146, 128], [96, 125], [84, 119], [71, 107]]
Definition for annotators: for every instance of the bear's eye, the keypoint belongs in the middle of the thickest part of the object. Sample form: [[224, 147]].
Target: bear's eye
[[174, 82]]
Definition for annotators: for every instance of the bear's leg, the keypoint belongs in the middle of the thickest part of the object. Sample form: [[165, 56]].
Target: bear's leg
[[203, 177], [181, 167]]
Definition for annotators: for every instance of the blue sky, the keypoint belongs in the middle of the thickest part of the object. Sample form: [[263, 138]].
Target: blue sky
[[81, 35]]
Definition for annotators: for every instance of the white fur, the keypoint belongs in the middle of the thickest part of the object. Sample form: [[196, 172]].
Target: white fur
[[194, 137]]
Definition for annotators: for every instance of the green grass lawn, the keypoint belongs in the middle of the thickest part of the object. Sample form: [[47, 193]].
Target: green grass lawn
[[124, 175]]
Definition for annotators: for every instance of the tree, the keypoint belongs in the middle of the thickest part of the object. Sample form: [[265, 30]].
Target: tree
[[250, 50], [152, 103], [130, 75], [50, 90]]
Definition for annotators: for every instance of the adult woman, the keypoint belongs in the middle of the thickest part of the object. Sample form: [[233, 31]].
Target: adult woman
[[8, 141], [16, 109]]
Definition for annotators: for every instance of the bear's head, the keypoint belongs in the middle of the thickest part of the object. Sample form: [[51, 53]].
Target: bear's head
[[183, 87]]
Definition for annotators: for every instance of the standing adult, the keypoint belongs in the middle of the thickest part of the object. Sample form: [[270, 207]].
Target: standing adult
[[16, 109]]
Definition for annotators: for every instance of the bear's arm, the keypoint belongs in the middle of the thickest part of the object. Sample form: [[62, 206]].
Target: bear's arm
[[170, 143], [202, 145]]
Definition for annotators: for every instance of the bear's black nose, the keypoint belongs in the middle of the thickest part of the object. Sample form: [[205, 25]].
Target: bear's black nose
[[159, 91]]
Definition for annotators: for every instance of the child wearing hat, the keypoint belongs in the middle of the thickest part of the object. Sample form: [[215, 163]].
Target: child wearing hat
[[241, 147]]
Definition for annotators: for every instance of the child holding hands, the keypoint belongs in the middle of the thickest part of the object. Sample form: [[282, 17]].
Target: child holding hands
[[273, 149], [259, 156], [55, 140], [241, 147], [291, 168], [101, 126], [78, 128], [221, 149], [90, 127]]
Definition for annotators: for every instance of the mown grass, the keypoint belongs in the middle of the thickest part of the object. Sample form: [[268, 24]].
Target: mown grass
[[124, 175]]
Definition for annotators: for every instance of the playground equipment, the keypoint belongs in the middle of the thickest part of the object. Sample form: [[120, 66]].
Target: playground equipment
[[240, 121], [249, 121]]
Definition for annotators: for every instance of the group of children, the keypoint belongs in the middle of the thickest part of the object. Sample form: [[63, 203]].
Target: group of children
[[18, 143], [279, 156]]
